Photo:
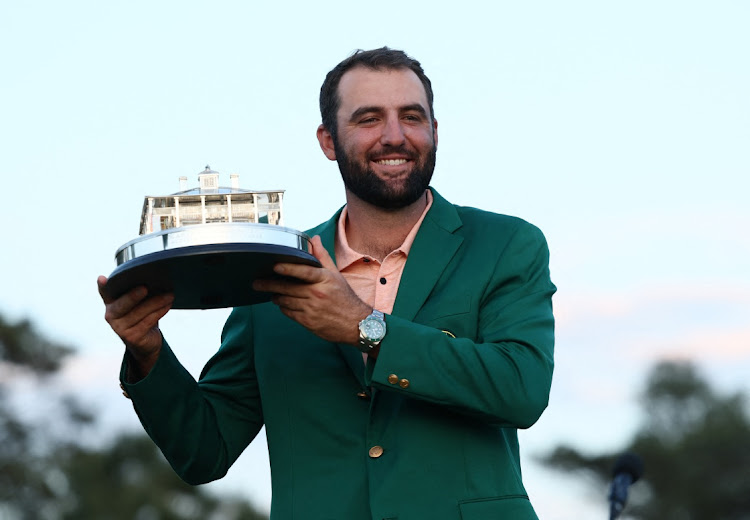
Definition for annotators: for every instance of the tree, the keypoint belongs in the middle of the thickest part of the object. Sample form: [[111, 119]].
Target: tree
[[695, 444], [139, 484], [22, 350], [46, 472]]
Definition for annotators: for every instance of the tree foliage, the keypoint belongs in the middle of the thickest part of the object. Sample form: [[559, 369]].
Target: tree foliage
[[22, 346], [48, 472], [130, 480], [695, 444]]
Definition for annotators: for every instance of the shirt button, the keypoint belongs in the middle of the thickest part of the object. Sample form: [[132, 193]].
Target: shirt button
[[393, 379], [375, 452], [363, 395], [404, 383], [382, 281]]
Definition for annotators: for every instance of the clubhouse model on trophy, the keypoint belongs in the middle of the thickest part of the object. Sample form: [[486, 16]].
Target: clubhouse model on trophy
[[207, 245]]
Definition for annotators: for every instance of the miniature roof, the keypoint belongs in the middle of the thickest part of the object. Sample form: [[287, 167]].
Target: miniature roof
[[220, 190]]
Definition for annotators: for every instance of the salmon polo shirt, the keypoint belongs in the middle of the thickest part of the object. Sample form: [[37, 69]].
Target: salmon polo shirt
[[374, 282]]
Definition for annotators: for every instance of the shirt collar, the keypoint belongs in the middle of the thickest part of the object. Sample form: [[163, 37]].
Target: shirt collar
[[346, 256]]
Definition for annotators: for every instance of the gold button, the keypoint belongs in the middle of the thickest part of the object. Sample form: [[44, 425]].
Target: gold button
[[363, 395], [393, 379], [404, 383], [375, 452]]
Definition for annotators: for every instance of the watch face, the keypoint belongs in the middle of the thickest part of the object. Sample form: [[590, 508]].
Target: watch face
[[373, 329]]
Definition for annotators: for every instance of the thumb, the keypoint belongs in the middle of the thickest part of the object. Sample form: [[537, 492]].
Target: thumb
[[101, 283], [321, 253]]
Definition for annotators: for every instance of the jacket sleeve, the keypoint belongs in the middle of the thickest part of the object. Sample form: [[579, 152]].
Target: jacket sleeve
[[503, 375], [202, 427]]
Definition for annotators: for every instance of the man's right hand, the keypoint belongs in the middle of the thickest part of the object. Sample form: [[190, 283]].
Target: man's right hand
[[135, 319]]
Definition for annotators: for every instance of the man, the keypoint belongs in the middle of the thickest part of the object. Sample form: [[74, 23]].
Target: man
[[450, 308]]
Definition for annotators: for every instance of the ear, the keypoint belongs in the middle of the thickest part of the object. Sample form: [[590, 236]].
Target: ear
[[434, 132], [326, 143]]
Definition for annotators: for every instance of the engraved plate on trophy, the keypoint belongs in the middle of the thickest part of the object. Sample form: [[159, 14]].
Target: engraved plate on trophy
[[208, 244]]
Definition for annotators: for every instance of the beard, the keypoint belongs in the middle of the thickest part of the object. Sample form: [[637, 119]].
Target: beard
[[361, 180]]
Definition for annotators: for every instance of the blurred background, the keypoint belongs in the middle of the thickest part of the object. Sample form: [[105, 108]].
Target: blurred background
[[620, 129]]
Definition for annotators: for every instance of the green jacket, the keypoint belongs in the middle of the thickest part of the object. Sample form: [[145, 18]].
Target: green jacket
[[429, 431]]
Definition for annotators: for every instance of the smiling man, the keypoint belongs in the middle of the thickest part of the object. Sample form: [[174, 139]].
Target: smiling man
[[391, 381], [385, 144]]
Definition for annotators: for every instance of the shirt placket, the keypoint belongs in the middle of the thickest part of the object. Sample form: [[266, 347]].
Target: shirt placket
[[385, 281]]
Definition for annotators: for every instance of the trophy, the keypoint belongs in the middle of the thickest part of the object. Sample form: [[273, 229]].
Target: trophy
[[207, 245]]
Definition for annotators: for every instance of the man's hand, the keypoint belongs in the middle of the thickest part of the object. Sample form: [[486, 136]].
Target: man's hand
[[135, 319], [319, 299]]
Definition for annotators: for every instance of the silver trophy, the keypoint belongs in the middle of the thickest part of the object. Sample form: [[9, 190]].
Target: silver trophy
[[207, 245]]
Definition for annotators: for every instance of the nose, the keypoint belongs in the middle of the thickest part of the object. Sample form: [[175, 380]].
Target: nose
[[393, 133]]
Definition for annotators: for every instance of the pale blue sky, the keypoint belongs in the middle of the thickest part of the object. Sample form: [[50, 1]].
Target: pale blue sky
[[619, 128]]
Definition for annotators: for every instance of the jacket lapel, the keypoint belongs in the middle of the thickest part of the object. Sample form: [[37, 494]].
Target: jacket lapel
[[327, 232], [433, 248]]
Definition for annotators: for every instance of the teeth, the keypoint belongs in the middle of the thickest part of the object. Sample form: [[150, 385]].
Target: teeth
[[392, 162]]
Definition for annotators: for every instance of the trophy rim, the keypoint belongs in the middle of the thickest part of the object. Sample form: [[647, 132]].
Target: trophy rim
[[209, 234], [206, 276]]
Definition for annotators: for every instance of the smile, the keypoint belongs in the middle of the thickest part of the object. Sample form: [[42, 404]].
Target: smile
[[391, 162]]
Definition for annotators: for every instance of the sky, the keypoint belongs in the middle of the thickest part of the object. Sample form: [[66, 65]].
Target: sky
[[621, 129]]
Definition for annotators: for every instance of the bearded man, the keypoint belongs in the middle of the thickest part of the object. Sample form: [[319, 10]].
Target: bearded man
[[391, 381]]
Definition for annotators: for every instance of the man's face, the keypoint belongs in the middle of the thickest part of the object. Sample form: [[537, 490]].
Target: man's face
[[386, 140]]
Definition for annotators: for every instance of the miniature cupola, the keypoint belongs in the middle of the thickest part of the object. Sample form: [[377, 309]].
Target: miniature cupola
[[208, 179]]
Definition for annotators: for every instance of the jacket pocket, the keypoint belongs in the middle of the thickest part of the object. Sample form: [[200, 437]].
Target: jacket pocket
[[455, 317], [497, 508]]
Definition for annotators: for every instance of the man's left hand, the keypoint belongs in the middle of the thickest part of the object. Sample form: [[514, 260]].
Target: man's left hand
[[318, 298]]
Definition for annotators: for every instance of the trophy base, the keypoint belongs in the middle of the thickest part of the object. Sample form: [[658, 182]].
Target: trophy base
[[208, 276]]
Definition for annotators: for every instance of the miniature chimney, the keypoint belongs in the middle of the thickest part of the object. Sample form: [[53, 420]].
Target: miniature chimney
[[235, 178], [183, 183]]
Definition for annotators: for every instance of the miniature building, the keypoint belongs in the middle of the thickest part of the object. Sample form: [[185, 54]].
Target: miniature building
[[210, 203]]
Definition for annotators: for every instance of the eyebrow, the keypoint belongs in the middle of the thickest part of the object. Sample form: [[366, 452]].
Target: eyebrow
[[414, 107]]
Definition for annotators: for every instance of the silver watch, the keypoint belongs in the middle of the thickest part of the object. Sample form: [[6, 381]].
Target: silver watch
[[371, 331]]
